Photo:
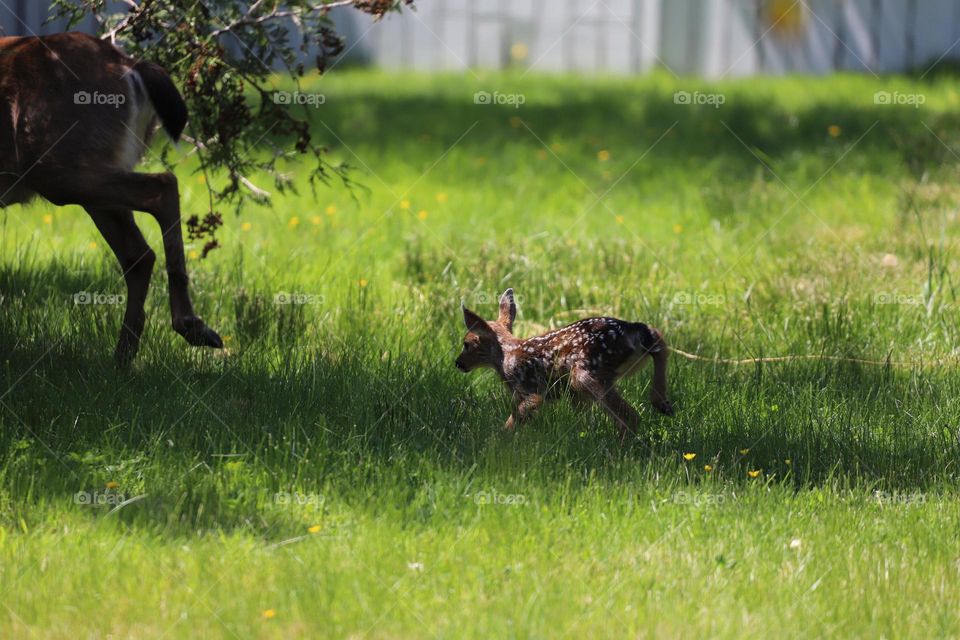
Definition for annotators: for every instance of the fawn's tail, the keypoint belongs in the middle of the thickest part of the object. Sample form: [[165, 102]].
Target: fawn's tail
[[885, 363]]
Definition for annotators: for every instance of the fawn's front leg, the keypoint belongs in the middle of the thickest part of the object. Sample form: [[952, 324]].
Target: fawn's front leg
[[524, 407]]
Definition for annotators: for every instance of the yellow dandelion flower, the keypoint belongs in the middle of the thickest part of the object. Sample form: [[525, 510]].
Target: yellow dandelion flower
[[689, 456], [754, 474], [678, 228], [331, 209], [269, 613], [744, 452], [294, 222], [246, 226], [194, 254], [48, 219], [316, 220], [619, 219], [227, 338], [442, 197], [708, 468], [603, 155], [202, 179], [362, 282], [423, 215], [92, 245], [785, 17], [315, 528], [834, 131], [404, 204], [112, 485]]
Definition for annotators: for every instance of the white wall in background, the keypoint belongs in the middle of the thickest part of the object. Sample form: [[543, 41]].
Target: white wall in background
[[715, 38]]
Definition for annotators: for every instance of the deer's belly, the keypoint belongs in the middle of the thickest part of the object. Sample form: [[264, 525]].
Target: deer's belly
[[540, 378]]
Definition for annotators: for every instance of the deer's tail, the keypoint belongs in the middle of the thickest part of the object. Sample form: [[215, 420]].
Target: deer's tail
[[164, 96]]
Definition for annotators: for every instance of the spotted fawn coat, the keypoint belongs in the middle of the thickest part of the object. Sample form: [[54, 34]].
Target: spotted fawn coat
[[585, 358]]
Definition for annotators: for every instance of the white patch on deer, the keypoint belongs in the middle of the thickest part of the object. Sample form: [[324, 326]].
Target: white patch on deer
[[14, 118], [141, 116]]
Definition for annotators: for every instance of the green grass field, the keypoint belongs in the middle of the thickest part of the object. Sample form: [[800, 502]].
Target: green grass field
[[331, 474]]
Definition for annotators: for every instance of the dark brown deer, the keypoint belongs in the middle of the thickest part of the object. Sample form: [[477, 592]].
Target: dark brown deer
[[585, 358], [76, 115]]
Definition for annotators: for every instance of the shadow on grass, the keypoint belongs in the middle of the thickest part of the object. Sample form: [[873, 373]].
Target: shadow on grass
[[210, 441], [205, 442], [632, 120]]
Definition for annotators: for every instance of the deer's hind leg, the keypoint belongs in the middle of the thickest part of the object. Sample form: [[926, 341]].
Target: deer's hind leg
[[153, 193], [606, 395], [622, 412], [658, 390], [136, 260]]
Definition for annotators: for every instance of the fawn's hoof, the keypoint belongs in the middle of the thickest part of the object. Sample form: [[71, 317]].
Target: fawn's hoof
[[197, 333]]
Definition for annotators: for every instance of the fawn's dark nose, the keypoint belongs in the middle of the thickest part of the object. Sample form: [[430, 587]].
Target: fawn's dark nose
[[460, 366]]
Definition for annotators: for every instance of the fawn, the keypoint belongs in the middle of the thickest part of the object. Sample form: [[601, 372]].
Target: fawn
[[585, 358]]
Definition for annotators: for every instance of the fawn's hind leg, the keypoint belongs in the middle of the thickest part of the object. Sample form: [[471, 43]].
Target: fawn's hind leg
[[658, 392], [622, 412], [610, 400], [524, 407]]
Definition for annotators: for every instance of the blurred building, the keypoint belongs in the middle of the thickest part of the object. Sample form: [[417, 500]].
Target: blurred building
[[714, 38]]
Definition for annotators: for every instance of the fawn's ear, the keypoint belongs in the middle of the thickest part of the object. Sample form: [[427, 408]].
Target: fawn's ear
[[508, 309], [476, 324]]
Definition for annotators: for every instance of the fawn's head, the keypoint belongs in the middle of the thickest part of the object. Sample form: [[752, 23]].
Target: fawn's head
[[482, 346]]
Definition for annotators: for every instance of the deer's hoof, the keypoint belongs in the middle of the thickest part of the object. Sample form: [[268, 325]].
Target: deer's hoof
[[664, 406], [123, 355], [197, 333]]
